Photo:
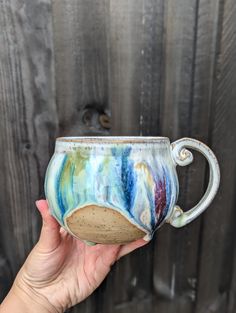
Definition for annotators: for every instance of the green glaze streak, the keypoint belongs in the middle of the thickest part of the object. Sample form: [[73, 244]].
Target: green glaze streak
[[106, 165], [74, 166], [80, 158], [89, 243], [66, 182]]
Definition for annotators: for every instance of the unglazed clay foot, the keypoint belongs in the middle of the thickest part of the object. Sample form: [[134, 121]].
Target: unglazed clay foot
[[102, 225]]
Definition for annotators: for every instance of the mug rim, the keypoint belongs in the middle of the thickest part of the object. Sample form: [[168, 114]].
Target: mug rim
[[112, 139]]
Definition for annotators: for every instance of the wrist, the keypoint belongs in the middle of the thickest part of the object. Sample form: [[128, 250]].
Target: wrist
[[24, 299]]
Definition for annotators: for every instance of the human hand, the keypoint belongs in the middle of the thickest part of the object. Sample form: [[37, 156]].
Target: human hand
[[61, 270]]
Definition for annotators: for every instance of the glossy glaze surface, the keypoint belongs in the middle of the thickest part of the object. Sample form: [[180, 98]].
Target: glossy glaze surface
[[137, 179]]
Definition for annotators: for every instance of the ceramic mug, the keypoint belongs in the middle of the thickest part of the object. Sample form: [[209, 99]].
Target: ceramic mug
[[114, 190]]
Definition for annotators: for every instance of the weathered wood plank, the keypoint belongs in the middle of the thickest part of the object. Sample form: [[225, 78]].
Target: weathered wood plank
[[125, 24], [136, 35], [137, 305], [28, 121], [151, 64], [170, 279], [130, 282], [232, 291], [81, 32], [80, 41], [190, 43], [118, 28], [5, 276], [135, 51], [218, 232]]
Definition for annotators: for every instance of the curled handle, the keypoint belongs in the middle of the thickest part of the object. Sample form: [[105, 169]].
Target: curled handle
[[182, 157]]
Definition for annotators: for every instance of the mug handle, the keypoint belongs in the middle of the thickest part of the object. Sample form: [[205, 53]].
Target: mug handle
[[182, 157]]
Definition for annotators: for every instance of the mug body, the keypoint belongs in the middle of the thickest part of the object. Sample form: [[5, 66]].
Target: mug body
[[111, 189]]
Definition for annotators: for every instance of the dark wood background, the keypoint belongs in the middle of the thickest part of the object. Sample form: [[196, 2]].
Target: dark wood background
[[124, 67]]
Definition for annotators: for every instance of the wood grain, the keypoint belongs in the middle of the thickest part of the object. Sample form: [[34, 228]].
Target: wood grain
[[186, 110], [81, 31], [5, 275], [28, 122], [135, 62], [134, 84], [137, 67], [232, 288], [175, 261], [125, 46], [81, 54], [218, 233]]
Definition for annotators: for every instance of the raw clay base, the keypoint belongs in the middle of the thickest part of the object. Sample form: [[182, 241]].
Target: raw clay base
[[102, 225]]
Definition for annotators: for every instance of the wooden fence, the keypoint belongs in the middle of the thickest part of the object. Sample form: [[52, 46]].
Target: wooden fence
[[124, 67]]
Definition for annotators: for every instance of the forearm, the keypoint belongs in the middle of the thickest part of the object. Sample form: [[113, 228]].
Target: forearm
[[21, 300]]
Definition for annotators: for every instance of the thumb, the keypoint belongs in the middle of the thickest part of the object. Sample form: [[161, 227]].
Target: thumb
[[50, 237], [125, 249]]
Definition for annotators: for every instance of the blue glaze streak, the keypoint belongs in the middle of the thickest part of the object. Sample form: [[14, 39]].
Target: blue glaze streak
[[128, 179]]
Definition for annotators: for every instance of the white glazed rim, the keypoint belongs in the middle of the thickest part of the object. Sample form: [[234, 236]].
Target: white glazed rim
[[112, 139]]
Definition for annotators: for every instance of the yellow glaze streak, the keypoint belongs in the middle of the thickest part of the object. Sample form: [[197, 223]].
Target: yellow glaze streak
[[144, 168]]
